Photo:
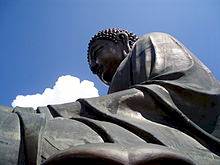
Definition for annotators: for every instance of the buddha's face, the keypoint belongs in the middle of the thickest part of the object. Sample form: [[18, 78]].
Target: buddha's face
[[108, 55]]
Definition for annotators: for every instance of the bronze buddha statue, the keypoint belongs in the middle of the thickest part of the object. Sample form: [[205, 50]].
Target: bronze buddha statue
[[162, 107]]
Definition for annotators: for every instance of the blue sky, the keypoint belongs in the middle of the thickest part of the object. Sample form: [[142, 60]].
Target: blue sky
[[41, 40]]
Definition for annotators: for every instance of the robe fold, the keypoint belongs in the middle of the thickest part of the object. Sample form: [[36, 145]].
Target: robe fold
[[163, 106], [181, 80]]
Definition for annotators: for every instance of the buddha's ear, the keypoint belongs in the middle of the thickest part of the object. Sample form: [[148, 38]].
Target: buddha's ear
[[123, 37]]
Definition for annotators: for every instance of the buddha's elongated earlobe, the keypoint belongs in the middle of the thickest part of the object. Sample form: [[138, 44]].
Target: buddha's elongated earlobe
[[123, 37]]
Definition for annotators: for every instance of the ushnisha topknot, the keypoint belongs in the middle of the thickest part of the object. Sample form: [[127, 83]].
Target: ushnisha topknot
[[107, 34]]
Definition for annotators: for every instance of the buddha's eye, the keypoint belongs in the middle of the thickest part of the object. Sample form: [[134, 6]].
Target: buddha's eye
[[96, 52]]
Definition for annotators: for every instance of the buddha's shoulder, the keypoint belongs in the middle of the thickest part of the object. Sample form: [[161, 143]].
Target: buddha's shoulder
[[156, 34], [159, 40]]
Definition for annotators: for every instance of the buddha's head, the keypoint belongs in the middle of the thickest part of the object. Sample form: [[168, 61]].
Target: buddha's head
[[106, 51]]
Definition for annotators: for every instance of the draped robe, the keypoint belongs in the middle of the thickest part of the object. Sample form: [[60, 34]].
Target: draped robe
[[162, 66], [163, 105]]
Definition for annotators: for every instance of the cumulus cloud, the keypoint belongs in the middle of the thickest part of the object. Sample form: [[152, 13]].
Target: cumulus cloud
[[66, 89]]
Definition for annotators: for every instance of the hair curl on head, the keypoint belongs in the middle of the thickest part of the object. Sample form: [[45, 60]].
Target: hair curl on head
[[107, 34]]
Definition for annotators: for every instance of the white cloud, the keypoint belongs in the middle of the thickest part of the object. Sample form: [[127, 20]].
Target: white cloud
[[66, 89]]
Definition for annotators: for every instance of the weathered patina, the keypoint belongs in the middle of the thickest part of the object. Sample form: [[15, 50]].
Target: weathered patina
[[162, 107]]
